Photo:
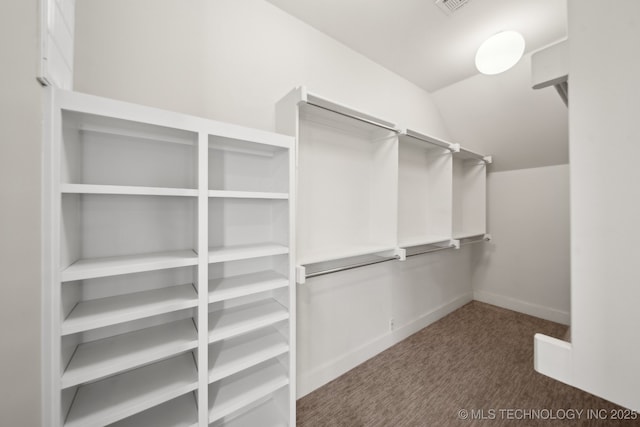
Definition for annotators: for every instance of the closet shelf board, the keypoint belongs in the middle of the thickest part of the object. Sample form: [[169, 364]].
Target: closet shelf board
[[238, 252], [108, 311], [120, 396], [180, 412], [113, 128], [423, 240], [246, 284], [90, 268], [233, 393], [336, 254], [126, 190], [468, 234], [98, 359], [230, 322], [231, 356], [247, 194], [266, 415]]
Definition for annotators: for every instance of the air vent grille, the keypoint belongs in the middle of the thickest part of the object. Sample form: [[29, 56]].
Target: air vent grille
[[450, 6]]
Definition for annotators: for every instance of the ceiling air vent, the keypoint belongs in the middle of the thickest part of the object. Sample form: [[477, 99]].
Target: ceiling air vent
[[450, 6]]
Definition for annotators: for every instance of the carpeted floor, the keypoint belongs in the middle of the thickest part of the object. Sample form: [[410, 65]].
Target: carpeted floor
[[479, 358]]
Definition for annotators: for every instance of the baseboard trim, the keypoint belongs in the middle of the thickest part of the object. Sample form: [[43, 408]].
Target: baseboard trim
[[520, 306], [333, 369]]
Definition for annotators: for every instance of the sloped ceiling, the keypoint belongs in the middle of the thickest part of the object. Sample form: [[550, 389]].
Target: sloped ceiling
[[499, 115]]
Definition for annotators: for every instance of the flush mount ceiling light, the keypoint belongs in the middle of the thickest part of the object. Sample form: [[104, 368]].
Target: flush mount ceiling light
[[500, 52]]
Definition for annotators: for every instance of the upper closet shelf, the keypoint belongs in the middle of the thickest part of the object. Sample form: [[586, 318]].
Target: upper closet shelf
[[110, 266], [426, 240], [126, 190], [411, 135], [173, 127], [303, 96], [465, 154]]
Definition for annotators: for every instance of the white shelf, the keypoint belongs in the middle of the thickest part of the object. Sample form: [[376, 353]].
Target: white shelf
[[346, 111], [257, 147], [238, 320], [121, 396], [421, 138], [180, 412], [465, 154], [231, 356], [245, 284], [110, 266], [468, 234], [233, 393], [263, 415], [423, 240], [114, 127], [102, 312], [238, 252], [126, 190], [98, 359], [248, 194], [340, 253]]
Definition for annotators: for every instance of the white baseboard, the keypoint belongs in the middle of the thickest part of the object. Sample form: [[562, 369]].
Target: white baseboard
[[336, 367], [520, 306]]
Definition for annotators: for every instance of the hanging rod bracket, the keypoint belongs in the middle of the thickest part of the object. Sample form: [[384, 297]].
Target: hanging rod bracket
[[301, 274]]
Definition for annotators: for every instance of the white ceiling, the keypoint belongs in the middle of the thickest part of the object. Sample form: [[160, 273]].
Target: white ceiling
[[416, 40]]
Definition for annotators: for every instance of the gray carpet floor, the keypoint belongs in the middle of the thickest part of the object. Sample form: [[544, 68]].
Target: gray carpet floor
[[479, 358]]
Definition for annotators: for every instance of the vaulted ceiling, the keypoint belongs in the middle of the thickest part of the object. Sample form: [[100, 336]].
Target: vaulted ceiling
[[500, 114]]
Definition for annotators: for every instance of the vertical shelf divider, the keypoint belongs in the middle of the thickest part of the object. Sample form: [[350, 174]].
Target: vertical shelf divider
[[203, 278]]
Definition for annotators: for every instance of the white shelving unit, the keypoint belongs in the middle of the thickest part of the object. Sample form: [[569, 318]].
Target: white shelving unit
[[370, 192], [158, 222], [342, 156], [424, 189], [469, 194]]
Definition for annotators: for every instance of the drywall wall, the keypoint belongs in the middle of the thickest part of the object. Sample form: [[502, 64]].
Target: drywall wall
[[240, 58], [521, 128], [20, 133], [526, 266], [605, 200]]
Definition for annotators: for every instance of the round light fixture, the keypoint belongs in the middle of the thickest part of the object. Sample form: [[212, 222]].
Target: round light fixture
[[500, 52]]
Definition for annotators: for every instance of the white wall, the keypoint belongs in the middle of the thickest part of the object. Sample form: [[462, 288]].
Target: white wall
[[231, 60], [526, 266], [501, 115], [605, 198], [20, 103]]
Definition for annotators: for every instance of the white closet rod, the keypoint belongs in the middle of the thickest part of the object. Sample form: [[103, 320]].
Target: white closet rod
[[355, 117], [350, 267]]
